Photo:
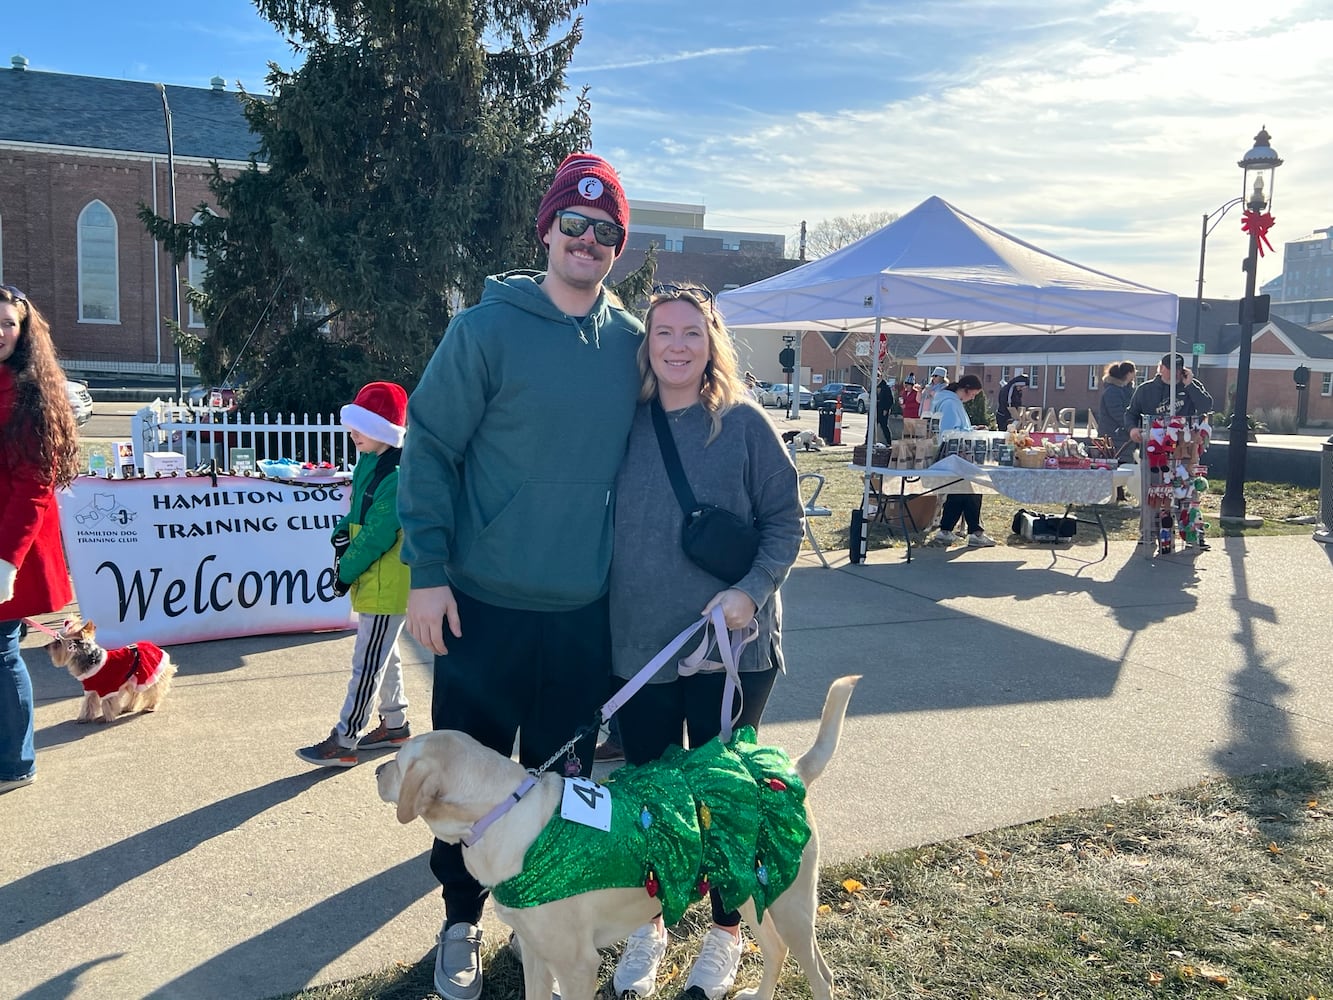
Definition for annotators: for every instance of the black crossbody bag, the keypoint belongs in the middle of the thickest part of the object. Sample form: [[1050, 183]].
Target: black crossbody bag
[[714, 539]]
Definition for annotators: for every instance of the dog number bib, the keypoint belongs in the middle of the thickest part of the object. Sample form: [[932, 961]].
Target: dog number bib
[[587, 803]]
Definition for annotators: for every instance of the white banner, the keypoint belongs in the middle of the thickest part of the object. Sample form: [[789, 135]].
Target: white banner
[[181, 560]]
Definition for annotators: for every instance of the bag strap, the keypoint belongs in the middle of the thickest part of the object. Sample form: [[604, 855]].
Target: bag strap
[[671, 459], [387, 462]]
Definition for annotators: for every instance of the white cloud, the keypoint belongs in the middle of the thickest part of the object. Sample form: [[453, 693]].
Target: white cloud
[[1105, 144]]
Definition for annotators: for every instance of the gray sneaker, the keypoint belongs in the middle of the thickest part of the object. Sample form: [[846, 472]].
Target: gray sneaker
[[458, 962], [382, 737]]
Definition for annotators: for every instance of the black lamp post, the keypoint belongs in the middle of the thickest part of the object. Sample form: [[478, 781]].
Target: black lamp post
[[1210, 222], [175, 264], [1259, 165]]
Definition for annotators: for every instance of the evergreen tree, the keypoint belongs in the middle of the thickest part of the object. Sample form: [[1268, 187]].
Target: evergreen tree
[[979, 410], [396, 168]]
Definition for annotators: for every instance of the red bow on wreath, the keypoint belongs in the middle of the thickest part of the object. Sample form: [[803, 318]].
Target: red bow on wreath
[[1258, 225]]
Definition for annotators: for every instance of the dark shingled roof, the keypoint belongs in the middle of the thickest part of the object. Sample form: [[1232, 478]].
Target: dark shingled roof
[[122, 116]]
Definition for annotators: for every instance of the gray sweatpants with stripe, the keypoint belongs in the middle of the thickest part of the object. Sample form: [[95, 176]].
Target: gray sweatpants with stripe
[[377, 671]]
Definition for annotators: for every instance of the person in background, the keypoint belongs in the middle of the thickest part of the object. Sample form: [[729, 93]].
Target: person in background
[[939, 377], [1117, 391], [507, 535], [1153, 398], [910, 398], [949, 404], [1009, 396], [366, 541], [39, 454], [732, 457], [886, 403]]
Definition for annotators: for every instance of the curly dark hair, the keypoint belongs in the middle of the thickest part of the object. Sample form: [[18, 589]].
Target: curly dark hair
[[40, 432]]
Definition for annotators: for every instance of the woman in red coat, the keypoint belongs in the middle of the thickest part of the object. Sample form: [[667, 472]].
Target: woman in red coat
[[38, 454]]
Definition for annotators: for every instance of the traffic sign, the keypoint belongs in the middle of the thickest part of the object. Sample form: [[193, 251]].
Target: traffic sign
[[1198, 348]]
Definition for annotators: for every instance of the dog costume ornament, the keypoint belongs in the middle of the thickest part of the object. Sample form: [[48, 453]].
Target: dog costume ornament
[[729, 816]]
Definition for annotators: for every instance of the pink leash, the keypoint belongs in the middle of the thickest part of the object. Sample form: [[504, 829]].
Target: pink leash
[[33, 623]]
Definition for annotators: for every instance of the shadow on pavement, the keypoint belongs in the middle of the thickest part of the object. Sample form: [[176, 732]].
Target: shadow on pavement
[[57, 891]]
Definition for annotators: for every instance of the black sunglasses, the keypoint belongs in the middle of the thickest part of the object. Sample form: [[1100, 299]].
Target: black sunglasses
[[700, 294], [608, 234], [17, 295]]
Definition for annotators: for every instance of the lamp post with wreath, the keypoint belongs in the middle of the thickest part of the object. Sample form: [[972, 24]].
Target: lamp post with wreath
[[1259, 165]]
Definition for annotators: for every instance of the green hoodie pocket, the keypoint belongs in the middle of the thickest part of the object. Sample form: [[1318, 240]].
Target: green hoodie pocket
[[549, 546]]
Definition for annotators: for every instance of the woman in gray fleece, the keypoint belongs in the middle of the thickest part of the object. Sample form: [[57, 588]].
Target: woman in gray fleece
[[732, 458]]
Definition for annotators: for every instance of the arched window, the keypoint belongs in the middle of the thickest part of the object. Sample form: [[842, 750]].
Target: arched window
[[99, 267], [198, 270]]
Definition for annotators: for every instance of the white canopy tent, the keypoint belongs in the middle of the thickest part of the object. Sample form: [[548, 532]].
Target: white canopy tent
[[939, 267]]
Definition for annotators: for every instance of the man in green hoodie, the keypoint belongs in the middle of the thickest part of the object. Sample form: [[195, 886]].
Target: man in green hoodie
[[506, 498]]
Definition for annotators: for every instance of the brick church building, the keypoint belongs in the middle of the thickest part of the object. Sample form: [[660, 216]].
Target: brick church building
[[79, 155]]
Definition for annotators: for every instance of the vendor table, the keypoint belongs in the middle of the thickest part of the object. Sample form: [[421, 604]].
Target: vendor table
[[1034, 486]]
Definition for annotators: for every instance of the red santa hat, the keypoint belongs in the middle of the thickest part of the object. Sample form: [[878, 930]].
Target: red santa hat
[[379, 412], [584, 180]]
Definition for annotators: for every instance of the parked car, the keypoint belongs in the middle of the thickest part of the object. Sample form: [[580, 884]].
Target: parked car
[[80, 400], [855, 397], [780, 395], [830, 391]]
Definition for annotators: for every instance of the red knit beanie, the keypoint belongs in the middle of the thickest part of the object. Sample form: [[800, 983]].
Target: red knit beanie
[[584, 180], [379, 412]]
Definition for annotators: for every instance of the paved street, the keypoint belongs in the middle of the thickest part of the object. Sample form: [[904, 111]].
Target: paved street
[[189, 854]]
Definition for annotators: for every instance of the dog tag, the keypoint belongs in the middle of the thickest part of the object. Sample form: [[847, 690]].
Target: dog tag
[[587, 803]]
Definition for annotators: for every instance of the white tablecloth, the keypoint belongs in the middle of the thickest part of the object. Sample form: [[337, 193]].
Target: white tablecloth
[[954, 475]]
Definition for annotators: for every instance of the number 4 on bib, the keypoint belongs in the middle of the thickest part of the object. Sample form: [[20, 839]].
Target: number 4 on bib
[[587, 803]]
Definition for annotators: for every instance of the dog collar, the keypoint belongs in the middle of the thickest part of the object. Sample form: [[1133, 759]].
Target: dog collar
[[484, 824]]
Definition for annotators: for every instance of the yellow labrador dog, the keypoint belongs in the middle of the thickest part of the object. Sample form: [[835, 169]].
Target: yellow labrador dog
[[451, 781]]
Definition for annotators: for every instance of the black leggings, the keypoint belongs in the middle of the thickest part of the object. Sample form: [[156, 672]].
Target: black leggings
[[658, 714], [966, 505], [537, 675]]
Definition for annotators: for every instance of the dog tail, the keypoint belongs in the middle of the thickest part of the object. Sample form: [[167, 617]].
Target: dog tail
[[813, 761]]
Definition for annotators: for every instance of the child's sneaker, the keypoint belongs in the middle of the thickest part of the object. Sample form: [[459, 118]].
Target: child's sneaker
[[329, 753], [382, 737]]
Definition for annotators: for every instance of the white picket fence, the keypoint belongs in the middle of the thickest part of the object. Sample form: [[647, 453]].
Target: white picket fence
[[203, 433]]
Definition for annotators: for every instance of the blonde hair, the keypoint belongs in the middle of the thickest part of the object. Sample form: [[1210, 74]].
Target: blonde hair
[[722, 386]]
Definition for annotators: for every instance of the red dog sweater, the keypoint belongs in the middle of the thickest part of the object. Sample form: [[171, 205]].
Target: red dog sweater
[[141, 661]]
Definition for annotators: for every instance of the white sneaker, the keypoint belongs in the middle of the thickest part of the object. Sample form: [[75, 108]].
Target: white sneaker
[[636, 972], [944, 539], [715, 969], [980, 540]]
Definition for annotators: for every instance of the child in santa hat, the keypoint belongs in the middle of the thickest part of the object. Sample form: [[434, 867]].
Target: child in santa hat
[[366, 543]]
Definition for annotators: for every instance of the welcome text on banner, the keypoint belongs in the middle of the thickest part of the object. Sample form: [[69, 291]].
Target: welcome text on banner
[[182, 560]]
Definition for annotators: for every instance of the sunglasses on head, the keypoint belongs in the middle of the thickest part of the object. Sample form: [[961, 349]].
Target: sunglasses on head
[[15, 293], [608, 234], [700, 294]]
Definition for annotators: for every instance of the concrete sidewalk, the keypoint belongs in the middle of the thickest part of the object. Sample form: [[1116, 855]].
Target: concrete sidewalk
[[190, 854]]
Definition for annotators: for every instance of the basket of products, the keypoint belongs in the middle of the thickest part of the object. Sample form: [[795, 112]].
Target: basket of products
[[879, 457]]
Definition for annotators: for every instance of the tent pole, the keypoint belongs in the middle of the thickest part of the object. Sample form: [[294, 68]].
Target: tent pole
[[863, 542]]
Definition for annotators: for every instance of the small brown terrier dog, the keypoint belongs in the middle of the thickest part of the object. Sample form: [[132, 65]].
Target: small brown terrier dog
[[130, 679]]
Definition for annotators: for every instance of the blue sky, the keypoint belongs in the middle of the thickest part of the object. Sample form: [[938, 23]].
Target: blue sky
[[1101, 131]]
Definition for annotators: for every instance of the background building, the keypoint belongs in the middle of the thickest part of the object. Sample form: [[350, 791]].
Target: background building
[[79, 155], [1303, 292]]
